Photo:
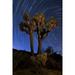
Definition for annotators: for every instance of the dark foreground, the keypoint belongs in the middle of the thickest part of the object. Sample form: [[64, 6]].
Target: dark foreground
[[22, 64]]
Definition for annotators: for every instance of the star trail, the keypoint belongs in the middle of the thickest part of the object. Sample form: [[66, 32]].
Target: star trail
[[49, 8]]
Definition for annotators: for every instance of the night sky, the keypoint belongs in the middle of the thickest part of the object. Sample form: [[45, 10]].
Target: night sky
[[49, 8]]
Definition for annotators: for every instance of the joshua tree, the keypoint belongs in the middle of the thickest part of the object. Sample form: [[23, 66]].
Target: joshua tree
[[39, 24], [28, 26], [43, 27]]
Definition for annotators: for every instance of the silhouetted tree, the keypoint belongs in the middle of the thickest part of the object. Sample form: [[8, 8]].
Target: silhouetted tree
[[49, 50]]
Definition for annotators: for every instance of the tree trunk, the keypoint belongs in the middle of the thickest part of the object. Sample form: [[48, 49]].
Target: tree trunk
[[31, 42], [39, 42]]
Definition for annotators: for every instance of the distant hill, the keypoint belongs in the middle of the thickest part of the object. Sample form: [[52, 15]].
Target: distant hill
[[22, 64]]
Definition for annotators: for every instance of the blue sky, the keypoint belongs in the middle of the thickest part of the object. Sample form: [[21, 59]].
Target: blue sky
[[49, 8]]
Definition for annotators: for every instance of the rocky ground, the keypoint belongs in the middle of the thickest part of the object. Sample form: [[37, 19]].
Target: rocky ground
[[23, 65]]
